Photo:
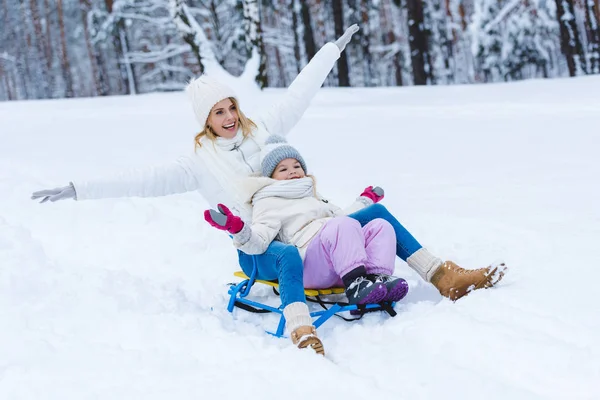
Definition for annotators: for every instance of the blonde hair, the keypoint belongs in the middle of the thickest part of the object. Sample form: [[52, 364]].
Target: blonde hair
[[246, 124], [314, 184]]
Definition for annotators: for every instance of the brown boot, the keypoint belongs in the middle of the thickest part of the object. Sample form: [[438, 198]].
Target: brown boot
[[306, 336], [455, 282]]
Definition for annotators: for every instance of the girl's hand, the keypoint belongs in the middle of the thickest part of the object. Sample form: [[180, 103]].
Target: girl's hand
[[345, 38], [374, 193], [224, 219]]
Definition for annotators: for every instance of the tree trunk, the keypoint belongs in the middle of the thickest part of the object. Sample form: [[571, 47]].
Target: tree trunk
[[117, 36], [387, 27], [66, 65], [398, 68], [364, 37], [594, 35], [126, 65], [45, 70], [338, 18], [23, 57], [280, 67], [296, 38], [85, 4], [309, 38], [254, 32], [6, 83], [49, 47], [418, 42], [216, 27], [569, 37], [189, 37]]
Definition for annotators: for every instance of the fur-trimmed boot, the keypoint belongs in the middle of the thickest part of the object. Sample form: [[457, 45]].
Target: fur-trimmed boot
[[299, 324], [306, 336], [451, 280], [455, 282]]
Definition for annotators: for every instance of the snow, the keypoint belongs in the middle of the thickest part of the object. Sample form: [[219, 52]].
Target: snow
[[125, 298]]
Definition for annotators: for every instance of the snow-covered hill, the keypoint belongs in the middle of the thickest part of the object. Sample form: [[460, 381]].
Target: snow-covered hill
[[125, 298]]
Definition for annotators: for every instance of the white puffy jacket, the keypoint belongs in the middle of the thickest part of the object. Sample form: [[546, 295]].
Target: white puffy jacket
[[216, 171], [292, 221]]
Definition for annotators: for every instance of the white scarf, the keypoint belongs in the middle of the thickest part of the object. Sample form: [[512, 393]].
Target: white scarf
[[232, 143], [288, 189], [229, 175]]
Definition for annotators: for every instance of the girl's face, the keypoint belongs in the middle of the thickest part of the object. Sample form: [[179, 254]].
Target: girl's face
[[290, 168], [223, 119]]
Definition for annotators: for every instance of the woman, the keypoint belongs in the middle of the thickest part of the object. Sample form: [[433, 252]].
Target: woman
[[227, 150], [335, 249]]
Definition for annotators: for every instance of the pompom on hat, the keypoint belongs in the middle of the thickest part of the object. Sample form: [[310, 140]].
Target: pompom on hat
[[204, 92], [276, 149]]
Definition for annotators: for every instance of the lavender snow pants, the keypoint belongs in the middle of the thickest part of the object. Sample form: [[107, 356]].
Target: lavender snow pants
[[342, 245]]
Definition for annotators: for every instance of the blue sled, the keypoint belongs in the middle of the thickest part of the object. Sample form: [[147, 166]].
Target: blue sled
[[239, 298]]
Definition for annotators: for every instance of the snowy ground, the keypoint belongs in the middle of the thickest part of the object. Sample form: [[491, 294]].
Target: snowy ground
[[125, 299]]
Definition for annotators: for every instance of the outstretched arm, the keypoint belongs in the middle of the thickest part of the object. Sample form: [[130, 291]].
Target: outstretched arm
[[284, 115], [175, 177]]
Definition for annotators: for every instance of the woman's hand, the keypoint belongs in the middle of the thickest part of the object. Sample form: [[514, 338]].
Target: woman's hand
[[224, 219], [59, 193], [374, 193], [345, 38]]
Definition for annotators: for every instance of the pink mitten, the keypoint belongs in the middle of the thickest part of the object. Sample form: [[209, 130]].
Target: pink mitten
[[224, 219], [374, 193]]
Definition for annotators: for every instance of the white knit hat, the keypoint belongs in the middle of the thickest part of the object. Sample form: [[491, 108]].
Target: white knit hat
[[277, 149], [204, 92]]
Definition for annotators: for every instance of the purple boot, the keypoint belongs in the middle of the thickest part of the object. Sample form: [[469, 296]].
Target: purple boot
[[397, 288], [363, 291]]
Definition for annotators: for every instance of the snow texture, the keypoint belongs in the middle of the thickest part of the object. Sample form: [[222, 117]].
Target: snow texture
[[125, 298]]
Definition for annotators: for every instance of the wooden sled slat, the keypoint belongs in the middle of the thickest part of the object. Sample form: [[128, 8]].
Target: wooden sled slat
[[307, 292]]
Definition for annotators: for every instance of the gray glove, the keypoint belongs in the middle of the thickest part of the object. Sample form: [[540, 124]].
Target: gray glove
[[60, 193], [345, 38], [378, 191]]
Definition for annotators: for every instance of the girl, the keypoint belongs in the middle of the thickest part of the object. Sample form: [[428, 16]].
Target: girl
[[335, 248]]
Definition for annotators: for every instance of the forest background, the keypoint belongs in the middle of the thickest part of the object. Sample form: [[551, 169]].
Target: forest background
[[75, 48]]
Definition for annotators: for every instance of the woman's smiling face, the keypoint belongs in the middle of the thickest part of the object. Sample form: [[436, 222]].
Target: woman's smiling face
[[223, 119]]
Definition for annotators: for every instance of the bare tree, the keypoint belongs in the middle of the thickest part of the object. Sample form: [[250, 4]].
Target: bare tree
[[569, 37], [98, 87], [255, 39], [121, 46], [66, 64], [591, 22], [41, 44], [418, 42], [338, 17], [295, 7], [52, 48], [309, 38]]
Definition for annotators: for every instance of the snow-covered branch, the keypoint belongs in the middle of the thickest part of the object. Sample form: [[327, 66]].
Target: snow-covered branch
[[504, 12], [7, 57], [163, 54]]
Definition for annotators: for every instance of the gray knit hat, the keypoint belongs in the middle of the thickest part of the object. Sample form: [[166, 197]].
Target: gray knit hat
[[277, 149]]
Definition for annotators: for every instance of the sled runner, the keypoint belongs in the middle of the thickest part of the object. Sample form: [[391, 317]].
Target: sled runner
[[239, 292]]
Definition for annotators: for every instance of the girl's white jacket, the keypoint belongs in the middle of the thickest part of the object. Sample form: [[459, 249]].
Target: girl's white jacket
[[293, 221], [217, 169]]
